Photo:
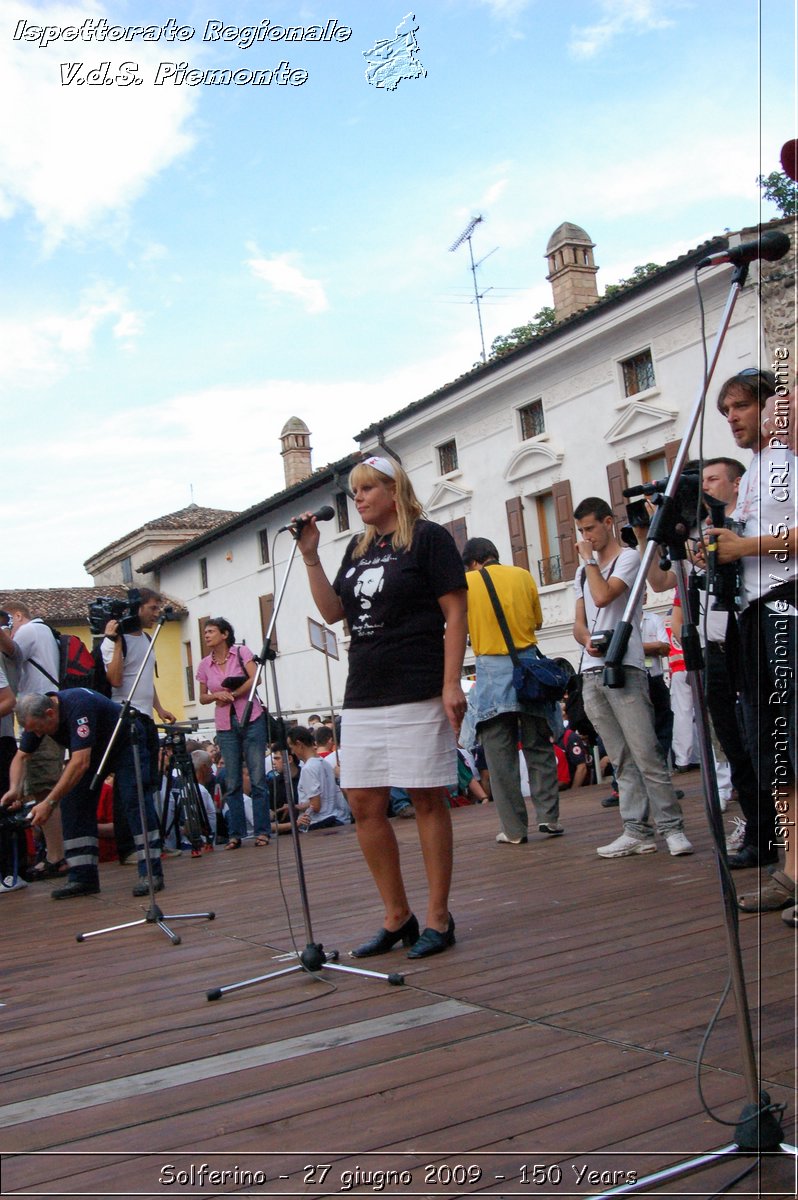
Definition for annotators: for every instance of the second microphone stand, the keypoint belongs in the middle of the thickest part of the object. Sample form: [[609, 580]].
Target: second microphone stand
[[129, 717], [759, 1128]]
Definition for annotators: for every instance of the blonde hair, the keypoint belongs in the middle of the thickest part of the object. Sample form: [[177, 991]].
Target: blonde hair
[[408, 506]]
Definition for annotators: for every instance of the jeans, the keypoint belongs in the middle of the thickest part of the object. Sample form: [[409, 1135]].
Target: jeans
[[768, 704], [756, 801], [238, 746], [499, 738], [663, 713], [127, 787], [123, 835], [625, 719]]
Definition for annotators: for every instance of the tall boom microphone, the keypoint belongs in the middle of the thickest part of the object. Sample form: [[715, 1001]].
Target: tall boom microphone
[[325, 513], [772, 246]]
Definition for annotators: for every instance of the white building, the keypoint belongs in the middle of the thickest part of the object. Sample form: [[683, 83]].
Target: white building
[[594, 404]]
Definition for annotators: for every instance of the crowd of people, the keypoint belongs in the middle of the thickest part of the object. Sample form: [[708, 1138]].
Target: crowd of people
[[411, 599]]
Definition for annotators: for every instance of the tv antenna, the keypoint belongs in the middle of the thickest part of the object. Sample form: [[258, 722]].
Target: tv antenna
[[466, 236]]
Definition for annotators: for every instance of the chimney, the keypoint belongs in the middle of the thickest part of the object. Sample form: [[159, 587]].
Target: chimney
[[572, 271], [295, 437]]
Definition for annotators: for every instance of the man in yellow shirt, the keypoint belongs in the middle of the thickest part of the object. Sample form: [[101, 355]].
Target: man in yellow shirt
[[502, 720]]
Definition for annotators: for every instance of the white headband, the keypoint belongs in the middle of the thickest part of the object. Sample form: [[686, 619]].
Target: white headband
[[382, 465]]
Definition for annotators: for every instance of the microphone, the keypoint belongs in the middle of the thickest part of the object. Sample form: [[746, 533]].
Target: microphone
[[325, 513], [645, 489], [772, 246]]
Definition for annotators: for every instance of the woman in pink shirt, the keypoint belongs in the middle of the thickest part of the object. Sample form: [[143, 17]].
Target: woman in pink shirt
[[225, 676]]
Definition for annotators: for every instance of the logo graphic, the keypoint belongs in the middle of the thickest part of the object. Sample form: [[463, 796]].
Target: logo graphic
[[390, 60]]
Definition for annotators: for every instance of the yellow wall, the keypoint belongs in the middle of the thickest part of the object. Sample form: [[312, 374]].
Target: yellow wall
[[168, 652]]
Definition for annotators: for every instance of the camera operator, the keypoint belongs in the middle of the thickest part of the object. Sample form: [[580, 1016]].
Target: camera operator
[[720, 480], [83, 722], [766, 549], [623, 716], [123, 650]]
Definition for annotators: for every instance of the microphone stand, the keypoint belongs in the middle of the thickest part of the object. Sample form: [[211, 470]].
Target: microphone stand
[[129, 717], [759, 1128], [313, 958]]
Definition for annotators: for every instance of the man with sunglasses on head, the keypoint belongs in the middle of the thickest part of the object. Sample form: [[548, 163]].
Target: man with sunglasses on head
[[766, 547]]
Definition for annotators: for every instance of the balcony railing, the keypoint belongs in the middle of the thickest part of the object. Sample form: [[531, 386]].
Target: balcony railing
[[550, 570]]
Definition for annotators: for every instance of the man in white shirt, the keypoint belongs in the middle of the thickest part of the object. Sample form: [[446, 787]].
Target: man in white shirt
[[124, 648], [623, 716], [767, 549]]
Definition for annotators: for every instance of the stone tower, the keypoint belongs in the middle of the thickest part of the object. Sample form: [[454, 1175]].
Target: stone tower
[[295, 437], [572, 271]]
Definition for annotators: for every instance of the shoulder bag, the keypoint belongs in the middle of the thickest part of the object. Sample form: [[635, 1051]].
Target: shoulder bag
[[541, 679]]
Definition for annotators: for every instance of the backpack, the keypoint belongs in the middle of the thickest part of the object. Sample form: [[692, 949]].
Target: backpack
[[76, 663]]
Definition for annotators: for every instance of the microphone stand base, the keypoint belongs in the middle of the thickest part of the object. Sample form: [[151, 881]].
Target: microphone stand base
[[312, 960]]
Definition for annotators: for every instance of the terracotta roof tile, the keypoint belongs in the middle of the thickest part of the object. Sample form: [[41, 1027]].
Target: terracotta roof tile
[[193, 518], [69, 606]]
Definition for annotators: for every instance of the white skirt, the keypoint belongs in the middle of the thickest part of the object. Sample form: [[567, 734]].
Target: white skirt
[[399, 745]]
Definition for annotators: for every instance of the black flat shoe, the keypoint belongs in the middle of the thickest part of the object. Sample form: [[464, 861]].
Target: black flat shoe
[[75, 889], [751, 856], [142, 887], [432, 941], [386, 939]]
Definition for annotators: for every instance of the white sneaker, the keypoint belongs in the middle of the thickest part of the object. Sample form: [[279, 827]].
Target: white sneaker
[[736, 837], [625, 845], [678, 843], [12, 885], [503, 840]]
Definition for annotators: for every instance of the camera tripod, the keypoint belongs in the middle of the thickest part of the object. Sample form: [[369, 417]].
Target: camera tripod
[[183, 812], [759, 1127], [128, 718], [313, 958]]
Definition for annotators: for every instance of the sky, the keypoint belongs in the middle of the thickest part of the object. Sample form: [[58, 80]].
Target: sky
[[183, 268]]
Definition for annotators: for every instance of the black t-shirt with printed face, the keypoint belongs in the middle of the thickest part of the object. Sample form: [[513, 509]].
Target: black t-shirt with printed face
[[390, 599], [86, 722]]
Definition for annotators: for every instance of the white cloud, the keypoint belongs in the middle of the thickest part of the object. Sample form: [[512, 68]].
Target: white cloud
[[72, 154], [619, 17], [280, 273], [506, 9], [674, 174], [494, 193], [41, 349]]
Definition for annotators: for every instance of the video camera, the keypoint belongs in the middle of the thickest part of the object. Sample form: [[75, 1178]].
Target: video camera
[[688, 500], [691, 507], [109, 608], [174, 735], [15, 819]]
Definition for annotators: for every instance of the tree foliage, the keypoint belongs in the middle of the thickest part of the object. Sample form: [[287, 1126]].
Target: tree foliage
[[544, 319], [782, 190], [612, 289]]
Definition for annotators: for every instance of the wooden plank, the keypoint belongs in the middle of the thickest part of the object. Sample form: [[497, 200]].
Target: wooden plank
[[589, 983]]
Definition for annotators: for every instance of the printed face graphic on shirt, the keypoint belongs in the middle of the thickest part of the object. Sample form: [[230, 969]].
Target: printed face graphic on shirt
[[368, 580], [369, 583]]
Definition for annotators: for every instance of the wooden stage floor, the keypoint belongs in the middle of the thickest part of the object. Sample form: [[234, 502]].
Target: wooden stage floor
[[553, 1050]]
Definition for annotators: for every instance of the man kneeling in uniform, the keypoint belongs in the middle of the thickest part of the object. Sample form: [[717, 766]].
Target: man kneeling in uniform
[[84, 721]]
